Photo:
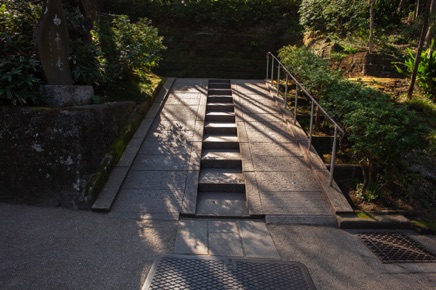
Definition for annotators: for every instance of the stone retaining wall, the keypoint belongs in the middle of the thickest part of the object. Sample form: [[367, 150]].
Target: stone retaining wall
[[48, 154]]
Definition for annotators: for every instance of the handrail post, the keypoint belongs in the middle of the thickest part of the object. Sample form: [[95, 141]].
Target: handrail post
[[278, 80], [286, 91], [332, 164], [267, 66], [296, 102], [311, 124], [272, 70]]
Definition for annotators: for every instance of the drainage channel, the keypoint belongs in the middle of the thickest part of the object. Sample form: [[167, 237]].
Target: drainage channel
[[221, 187]]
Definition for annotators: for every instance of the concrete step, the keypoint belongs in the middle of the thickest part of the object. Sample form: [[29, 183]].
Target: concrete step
[[220, 142], [225, 117], [221, 92], [219, 99], [220, 128], [219, 86], [221, 204], [221, 159], [220, 107], [221, 180]]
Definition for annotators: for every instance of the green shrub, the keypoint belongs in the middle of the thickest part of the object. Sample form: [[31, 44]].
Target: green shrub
[[426, 74], [126, 47], [18, 63], [379, 131], [334, 16]]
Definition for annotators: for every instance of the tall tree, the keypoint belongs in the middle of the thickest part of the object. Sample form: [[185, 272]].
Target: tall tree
[[431, 31], [371, 25], [420, 47]]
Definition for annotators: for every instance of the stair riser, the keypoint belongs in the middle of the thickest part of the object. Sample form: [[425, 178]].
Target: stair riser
[[222, 163], [221, 119], [221, 187], [215, 108], [218, 130], [219, 86], [221, 145], [221, 92], [217, 99]]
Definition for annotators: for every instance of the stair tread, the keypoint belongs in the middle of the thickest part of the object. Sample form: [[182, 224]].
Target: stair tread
[[220, 125], [221, 176], [220, 113], [226, 204], [220, 138], [221, 155]]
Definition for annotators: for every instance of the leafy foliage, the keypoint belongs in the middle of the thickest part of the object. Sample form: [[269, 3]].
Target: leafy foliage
[[126, 47], [18, 63], [334, 16], [380, 132], [426, 74], [223, 14]]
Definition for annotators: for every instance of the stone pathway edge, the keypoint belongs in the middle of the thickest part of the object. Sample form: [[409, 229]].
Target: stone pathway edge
[[110, 190]]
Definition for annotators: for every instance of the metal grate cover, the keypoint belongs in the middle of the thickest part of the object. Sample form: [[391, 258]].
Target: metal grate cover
[[393, 247], [204, 272]]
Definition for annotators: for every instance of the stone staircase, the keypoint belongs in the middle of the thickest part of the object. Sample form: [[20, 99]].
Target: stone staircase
[[221, 187]]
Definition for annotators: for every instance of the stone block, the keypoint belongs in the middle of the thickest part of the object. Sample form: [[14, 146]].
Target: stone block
[[66, 95]]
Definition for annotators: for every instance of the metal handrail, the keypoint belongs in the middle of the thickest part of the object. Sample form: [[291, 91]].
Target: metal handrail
[[298, 86]]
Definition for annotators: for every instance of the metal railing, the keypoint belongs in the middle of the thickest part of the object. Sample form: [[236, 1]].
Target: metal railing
[[299, 87]]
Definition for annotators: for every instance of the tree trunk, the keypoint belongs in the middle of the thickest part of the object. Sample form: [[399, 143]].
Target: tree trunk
[[419, 50], [431, 31], [371, 25], [367, 171]]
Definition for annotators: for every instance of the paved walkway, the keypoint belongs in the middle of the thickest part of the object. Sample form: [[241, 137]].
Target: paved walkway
[[155, 189]]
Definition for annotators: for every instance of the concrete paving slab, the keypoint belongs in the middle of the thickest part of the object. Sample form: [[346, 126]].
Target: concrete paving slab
[[192, 238], [253, 197], [169, 136], [221, 204], [219, 226], [246, 157], [190, 196], [276, 149], [160, 162], [255, 117], [165, 148], [257, 241], [265, 163], [295, 203], [173, 125], [144, 216], [286, 181], [195, 156], [149, 200], [148, 180], [225, 244]]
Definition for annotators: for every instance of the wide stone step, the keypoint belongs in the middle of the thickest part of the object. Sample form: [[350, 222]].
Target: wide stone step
[[225, 117], [220, 107], [220, 142], [221, 180], [221, 204], [219, 99], [225, 92], [221, 159], [220, 128]]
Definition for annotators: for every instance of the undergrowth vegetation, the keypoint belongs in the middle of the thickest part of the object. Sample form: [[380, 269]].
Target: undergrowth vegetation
[[119, 51], [380, 131]]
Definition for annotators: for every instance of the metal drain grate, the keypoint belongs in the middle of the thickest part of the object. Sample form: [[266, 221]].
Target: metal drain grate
[[198, 272], [392, 247]]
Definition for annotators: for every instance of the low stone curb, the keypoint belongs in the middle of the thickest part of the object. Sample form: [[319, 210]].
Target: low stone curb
[[373, 221], [109, 191]]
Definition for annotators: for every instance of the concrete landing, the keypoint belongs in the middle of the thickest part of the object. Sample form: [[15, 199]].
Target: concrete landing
[[245, 238]]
